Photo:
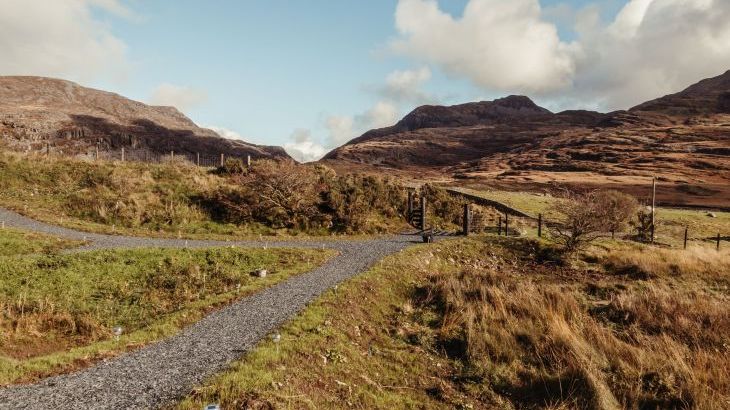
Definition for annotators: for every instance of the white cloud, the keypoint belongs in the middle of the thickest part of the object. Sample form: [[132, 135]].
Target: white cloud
[[61, 38], [405, 86], [400, 87], [225, 132], [181, 97], [341, 129], [651, 48], [499, 45], [303, 148], [382, 114]]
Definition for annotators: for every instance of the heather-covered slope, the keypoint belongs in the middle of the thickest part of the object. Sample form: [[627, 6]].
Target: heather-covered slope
[[684, 139], [36, 111]]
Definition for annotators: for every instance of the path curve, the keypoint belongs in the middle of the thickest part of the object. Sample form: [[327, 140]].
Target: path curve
[[162, 372]]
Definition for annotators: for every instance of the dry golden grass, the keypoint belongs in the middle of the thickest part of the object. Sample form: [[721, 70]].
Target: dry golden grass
[[656, 262], [547, 342], [482, 324]]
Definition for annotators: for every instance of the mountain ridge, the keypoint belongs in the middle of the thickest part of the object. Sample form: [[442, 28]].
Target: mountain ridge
[[36, 111], [683, 138]]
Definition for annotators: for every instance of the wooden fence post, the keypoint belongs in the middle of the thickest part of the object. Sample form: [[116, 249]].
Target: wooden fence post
[[506, 224], [122, 154], [499, 226], [48, 148], [172, 155], [539, 225], [197, 159], [423, 213], [223, 160], [97, 152], [467, 220], [410, 205], [248, 161], [686, 232], [653, 207], [718, 241]]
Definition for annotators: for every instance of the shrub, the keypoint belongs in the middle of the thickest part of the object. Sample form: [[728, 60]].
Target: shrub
[[617, 207], [281, 194], [443, 209], [362, 203], [584, 217], [643, 224], [302, 197]]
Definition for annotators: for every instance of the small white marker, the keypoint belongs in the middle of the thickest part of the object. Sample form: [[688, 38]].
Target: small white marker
[[118, 330]]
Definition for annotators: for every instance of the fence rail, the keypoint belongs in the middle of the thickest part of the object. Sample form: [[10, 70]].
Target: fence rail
[[147, 156]]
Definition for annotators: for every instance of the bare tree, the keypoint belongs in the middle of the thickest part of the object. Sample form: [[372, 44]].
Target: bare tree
[[585, 217], [617, 208]]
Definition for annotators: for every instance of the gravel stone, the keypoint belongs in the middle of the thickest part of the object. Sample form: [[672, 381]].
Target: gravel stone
[[162, 372]]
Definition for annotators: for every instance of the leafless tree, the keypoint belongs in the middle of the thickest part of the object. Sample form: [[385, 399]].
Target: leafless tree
[[585, 217]]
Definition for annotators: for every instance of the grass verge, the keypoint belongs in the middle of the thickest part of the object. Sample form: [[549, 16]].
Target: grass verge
[[57, 312], [17, 242], [488, 324]]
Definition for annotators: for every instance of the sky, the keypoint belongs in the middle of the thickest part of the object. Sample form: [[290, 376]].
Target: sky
[[311, 75]]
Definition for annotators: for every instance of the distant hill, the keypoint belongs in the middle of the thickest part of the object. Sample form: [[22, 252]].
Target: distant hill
[[35, 111], [513, 143], [710, 96]]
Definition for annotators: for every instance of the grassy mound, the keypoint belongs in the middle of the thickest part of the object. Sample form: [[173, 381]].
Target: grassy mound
[[177, 198]]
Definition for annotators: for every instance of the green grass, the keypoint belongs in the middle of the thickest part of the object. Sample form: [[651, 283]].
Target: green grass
[[17, 242], [529, 203], [57, 311], [671, 222]]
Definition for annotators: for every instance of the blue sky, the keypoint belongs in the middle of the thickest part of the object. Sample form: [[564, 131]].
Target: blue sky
[[312, 74]]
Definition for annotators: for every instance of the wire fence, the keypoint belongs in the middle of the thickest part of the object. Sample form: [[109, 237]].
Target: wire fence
[[507, 224], [147, 156]]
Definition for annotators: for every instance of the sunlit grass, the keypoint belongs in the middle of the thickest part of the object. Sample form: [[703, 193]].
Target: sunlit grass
[[58, 311], [482, 323], [17, 242]]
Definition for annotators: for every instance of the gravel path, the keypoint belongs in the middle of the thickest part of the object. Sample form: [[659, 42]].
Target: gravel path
[[162, 372]]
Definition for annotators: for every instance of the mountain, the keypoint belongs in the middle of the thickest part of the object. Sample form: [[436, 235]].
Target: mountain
[[513, 143], [710, 96], [36, 111]]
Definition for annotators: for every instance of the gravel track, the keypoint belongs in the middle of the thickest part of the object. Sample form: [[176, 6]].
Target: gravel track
[[167, 370]]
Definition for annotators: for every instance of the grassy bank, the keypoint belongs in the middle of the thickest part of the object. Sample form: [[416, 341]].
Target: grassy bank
[[106, 197], [488, 324], [58, 311], [178, 199], [17, 242]]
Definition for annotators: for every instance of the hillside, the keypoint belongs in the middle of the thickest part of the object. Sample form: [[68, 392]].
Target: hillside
[[513, 143], [36, 111]]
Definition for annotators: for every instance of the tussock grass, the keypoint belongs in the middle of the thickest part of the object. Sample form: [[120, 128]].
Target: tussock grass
[[470, 324], [657, 262], [57, 312]]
